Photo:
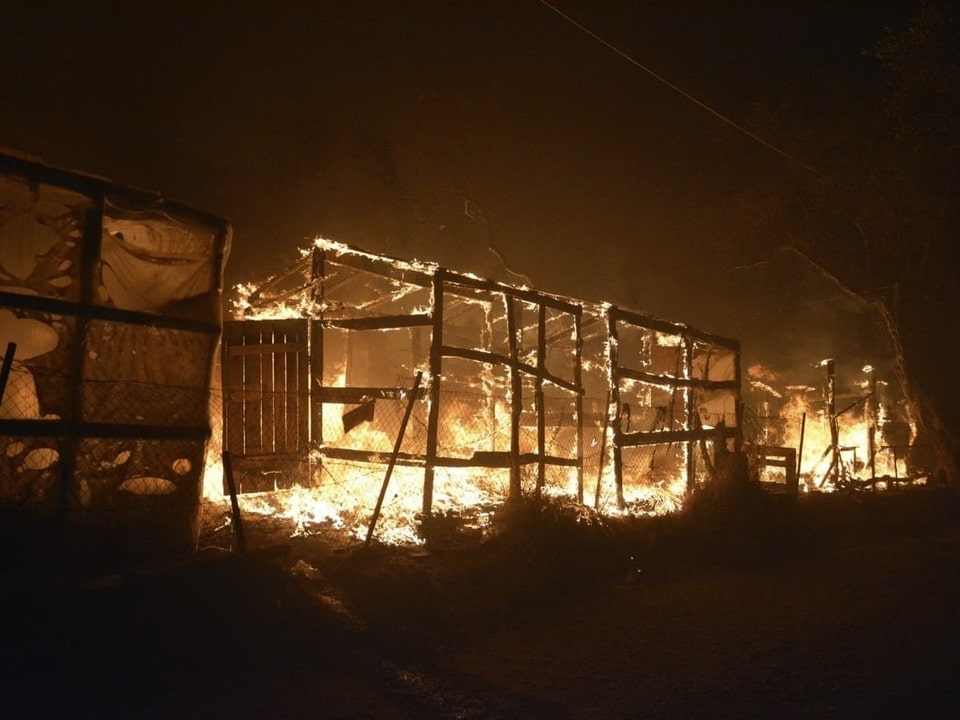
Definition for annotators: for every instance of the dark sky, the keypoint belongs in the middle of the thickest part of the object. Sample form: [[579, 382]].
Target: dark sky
[[379, 124]]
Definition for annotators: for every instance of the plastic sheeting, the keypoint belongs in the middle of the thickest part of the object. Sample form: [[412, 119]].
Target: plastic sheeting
[[112, 299]]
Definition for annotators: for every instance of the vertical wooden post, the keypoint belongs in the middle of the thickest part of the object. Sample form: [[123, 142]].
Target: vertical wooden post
[[314, 389], [738, 407], [540, 401], [436, 367], [790, 473], [578, 383], [89, 259], [603, 451], [803, 429], [486, 372], [874, 406], [834, 471], [690, 409], [516, 401], [231, 370], [613, 345]]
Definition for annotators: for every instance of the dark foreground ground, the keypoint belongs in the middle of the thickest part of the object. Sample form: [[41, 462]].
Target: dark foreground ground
[[842, 607]]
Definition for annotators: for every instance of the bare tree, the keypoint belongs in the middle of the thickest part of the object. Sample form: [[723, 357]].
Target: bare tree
[[881, 219]]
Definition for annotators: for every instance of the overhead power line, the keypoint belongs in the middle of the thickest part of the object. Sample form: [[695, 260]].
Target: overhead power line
[[699, 103]]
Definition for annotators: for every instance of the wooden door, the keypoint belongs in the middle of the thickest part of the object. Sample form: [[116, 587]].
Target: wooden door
[[266, 402]]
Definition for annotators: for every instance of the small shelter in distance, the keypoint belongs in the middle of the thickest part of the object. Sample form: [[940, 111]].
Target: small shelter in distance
[[524, 392]]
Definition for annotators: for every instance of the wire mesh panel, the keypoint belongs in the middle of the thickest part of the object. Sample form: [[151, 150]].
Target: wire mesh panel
[[473, 423], [675, 393], [372, 426], [654, 477], [138, 374], [519, 351]]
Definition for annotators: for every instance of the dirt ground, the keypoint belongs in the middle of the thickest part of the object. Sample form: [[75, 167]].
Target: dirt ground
[[862, 623]]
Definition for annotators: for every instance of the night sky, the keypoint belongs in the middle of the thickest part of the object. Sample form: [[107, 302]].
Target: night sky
[[433, 129]]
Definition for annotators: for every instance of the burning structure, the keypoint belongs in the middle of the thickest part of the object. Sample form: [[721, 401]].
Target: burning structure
[[109, 323], [847, 433], [522, 392], [339, 370]]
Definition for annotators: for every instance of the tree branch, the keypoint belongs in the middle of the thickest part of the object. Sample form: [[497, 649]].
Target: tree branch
[[829, 275]]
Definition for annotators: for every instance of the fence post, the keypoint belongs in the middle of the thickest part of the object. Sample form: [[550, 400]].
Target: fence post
[[603, 451], [240, 544]]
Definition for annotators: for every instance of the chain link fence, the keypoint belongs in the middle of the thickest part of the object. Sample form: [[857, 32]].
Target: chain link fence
[[336, 493], [162, 491], [113, 477]]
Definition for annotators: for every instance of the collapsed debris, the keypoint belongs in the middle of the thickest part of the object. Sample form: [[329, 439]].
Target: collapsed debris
[[855, 437]]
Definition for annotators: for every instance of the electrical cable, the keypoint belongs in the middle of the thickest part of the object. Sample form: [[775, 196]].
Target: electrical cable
[[699, 103]]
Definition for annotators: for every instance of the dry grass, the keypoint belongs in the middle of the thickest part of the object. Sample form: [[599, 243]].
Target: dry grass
[[305, 627]]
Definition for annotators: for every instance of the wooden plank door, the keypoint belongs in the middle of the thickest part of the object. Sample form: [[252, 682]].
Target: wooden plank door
[[266, 402]]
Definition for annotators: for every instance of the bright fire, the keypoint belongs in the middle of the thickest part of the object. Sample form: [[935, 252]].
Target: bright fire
[[869, 451], [341, 494]]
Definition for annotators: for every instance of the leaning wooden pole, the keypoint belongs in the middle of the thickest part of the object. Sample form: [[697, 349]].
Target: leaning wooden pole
[[393, 458], [239, 542], [5, 369]]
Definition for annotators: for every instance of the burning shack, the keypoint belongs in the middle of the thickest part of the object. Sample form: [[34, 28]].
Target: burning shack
[[845, 430], [109, 323], [475, 391]]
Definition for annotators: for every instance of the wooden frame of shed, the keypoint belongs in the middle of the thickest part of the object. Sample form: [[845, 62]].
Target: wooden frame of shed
[[549, 386]]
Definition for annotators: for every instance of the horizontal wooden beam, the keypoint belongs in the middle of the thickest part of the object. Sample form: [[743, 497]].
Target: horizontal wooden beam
[[785, 457], [55, 306], [671, 328], [663, 437], [379, 458], [671, 381], [96, 186], [502, 459], [59, 428], [267, 460], [377, 265], [479, 460], [384, 322], [462, 285], [354, 395], [269, 349]]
